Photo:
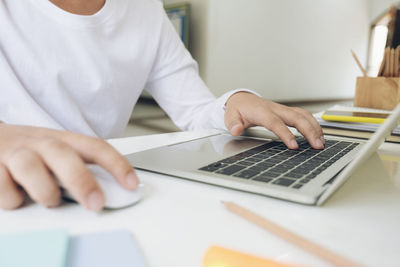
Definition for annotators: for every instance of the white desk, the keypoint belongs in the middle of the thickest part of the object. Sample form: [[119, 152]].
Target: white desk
[[178, 220]]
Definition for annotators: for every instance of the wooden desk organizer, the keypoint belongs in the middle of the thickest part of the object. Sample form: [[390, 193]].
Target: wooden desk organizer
[[377, 92]]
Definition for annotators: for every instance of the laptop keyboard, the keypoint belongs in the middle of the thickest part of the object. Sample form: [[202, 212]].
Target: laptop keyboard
[[275, 163]]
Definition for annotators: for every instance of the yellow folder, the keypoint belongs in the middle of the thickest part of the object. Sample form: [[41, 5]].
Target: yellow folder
[[222, 257]]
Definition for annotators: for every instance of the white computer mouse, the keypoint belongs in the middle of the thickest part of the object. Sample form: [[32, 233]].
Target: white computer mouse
[[116, 196]]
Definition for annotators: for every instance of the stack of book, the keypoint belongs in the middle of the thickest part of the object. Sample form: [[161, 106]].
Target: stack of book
[[354, 126], [56, 248]]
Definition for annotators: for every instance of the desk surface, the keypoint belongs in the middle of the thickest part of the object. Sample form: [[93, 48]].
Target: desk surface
[[178, 219]]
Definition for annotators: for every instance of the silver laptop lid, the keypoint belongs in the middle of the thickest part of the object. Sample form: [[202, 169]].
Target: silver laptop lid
[[365, 153]]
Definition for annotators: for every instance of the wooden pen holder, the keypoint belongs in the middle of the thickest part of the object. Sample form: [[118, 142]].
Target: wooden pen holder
[[377, 92]]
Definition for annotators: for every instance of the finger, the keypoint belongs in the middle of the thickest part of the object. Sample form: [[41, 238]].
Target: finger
[[297, 120], [11, 197], [234, 122], [313, 122], [72, 173], [29, 171], [276, 125], [95, 150]]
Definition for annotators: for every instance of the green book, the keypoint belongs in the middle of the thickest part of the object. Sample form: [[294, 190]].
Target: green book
[[41, 249]]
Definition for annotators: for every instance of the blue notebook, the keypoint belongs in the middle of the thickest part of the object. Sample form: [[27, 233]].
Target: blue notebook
[[42, 249]]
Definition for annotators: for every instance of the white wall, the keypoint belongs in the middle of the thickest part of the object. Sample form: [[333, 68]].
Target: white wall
[[288, 50], [377, 7]]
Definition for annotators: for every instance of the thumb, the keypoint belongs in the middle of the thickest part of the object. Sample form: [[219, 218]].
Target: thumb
[[233, 122]]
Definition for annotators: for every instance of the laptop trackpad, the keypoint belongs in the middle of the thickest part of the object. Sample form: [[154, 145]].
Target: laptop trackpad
[[191, 155]]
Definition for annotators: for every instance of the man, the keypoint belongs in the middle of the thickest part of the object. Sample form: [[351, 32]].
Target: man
[[71, 72]]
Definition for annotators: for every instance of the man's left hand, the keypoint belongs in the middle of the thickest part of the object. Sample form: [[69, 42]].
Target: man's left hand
[[244, 110]]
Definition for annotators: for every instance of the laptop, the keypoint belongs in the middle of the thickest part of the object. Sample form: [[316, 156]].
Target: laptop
[[265, 166]]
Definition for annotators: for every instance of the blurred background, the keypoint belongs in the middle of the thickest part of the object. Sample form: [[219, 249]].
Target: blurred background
[[295, 52]]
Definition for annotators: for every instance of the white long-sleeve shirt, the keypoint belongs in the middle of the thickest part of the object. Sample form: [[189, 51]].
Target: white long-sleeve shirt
[[85, 73]]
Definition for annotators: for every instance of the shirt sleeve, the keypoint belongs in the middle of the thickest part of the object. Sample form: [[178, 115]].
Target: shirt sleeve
[[177, 87]]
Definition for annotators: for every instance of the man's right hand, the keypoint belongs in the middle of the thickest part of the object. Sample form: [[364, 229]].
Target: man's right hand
[[31, 157]]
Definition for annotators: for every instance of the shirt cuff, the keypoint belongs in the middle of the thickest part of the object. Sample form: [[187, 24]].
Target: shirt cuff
[[220, 106]]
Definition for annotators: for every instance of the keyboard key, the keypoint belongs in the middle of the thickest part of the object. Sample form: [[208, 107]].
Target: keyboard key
[[273, 160], [244, 155], [326, 165], [346, 143], [289, 153], [288, 165], [229, 160], [309, 165], [253, 159], [302, 171], [322, 168], [270, 152], [271, 174], [279, 148], [265, 164], [280, 171], [246, 174], [231, 169], [245, 163], [213, 167], [305, 180], [331, 141], [208, 169], [294, 175], [297, 186], [257, 149], [218, 165], [280, 157], [259, 168], [300, 157], [264, 179], [264, 147], [314, 151], [259, 156], [284, 182], [311, 176], [317, 171]]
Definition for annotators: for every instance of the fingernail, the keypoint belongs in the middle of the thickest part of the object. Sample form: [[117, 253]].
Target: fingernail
[[95, 201], [319, 143], [293, 144], [131, 180], [235, 127], [322, 139], [55, 204]]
